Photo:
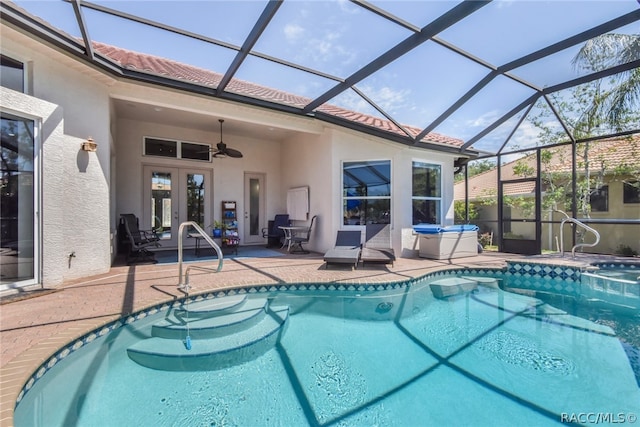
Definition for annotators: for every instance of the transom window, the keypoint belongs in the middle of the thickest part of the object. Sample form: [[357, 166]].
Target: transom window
[[176, 149], [11, 74], [426, 196], [366, 192]]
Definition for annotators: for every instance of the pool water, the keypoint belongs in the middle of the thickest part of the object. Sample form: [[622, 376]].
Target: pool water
[[399, 357]]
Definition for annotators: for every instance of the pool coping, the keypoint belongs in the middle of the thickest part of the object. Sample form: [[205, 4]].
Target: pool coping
[[33, 363], [29, 364]]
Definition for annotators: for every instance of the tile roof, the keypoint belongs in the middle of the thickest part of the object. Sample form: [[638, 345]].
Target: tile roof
[[608, 153], [172, 69]]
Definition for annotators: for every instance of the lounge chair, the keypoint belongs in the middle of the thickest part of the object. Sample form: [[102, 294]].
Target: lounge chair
[[139, 240], [377, 245], [273, 233], [297, 240], [347, 249]]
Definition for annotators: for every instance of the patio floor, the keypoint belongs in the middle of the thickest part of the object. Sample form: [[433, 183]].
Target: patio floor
[[33, 328]]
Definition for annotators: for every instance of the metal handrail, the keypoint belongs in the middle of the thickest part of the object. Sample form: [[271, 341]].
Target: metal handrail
[[185, 285], [581, 224]]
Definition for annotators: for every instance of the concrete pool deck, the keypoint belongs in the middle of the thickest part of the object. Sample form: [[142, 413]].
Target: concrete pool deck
[[32, 329]]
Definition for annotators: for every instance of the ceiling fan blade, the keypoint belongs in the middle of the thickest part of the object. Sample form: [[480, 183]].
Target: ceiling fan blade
[[233, 153]]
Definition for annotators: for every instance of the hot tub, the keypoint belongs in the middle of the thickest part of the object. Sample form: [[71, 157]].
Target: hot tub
[[446, 242]]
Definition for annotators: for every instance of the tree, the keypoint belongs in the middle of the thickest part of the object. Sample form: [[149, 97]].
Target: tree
[[609, 50], [587, 109], [476, 167]]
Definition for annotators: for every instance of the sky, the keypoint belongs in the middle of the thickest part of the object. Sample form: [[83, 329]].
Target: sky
[[338, 37]]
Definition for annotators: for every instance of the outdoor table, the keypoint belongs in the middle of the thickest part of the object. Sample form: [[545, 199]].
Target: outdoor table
[[291, 231]]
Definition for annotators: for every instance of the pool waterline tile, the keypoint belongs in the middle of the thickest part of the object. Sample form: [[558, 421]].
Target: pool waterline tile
[[147, 298]]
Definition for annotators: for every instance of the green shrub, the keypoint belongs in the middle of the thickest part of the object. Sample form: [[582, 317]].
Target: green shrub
[[484, 239], [626, 250]]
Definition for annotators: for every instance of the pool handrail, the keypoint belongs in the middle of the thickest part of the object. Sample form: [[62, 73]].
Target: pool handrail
[[184, 285], [578, 223]]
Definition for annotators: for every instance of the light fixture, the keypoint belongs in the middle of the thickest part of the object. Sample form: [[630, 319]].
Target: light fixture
[[222, 150], [89, 145]]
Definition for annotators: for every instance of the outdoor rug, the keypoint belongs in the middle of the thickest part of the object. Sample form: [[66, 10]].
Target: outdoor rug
[[206, 254]]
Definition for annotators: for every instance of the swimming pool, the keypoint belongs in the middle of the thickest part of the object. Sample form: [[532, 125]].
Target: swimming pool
[[352, 355]]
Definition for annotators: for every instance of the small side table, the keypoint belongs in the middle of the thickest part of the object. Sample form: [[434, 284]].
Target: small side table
[[221, 241], [289, 232], [198, 237]]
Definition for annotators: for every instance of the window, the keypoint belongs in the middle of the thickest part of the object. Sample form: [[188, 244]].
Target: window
[[599, 199], [427, 193], [366, 192], [631, 192], [11, 74], [176, 149]]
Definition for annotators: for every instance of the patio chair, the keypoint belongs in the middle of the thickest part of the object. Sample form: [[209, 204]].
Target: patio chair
[[298, 239], [377, 245], [346, 250], [139, 240], [273, 233]]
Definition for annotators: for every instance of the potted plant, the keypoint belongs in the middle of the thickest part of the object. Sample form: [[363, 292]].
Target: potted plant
[[218, 227]]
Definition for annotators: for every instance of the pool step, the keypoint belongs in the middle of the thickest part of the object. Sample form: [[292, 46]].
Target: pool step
[[216, 324], [213, 306], [452, 286], [224, 337]]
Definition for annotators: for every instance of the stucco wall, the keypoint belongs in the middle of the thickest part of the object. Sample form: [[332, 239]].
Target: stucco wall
[[260, 156], [307, 161], [317, 162], [69, 107]]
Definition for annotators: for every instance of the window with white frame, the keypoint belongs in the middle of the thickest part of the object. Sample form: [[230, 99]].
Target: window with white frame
[[366, 192], [426, 196], [176, 149]]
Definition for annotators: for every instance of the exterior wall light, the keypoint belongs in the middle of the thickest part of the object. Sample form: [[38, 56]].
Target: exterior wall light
[[89, 145]]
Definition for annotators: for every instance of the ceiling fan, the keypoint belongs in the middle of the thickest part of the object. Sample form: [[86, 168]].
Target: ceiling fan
[[222, 150]]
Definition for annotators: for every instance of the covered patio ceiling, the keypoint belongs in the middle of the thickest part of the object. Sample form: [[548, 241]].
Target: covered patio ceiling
[[477, 71]]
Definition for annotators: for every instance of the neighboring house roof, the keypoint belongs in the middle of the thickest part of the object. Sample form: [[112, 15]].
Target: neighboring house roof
[[172, 69], [609, 153]]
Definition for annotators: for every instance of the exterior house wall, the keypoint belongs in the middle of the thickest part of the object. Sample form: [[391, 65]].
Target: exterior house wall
[[611, 235], [307, 161], [68, 106], [84, 193], [316, 161], [227, 174]]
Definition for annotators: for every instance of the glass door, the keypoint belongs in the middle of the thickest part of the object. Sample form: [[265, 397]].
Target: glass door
[[18, 213], [253, 208], [174, 196]]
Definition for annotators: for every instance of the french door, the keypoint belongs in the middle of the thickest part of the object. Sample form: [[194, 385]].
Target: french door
[[253, 208], [173, 196]]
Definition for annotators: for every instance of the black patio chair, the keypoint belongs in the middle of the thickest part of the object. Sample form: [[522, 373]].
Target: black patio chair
[[139, 240], [301, 237], [273, 233]]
